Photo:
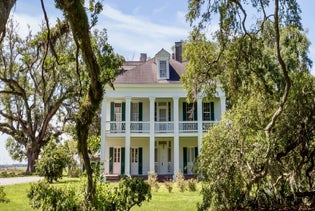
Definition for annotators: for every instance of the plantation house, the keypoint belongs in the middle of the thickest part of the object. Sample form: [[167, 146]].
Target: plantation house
[[147, 125]]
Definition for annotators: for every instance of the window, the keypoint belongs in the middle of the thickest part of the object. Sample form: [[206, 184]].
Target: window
[[190, 112], [190, 154], [155, 155], [163, 69], [117, 112], [206, 112], [134, 111], [169, 153], [134, 155], [116, 155]]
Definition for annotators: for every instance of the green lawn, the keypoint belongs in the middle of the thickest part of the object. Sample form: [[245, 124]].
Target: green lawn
[[161, 200]]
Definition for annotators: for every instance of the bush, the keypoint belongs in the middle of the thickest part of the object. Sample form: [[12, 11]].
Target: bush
[[3, 196], [130, 192], [153, 182], [74, 172], [180, 180], [47, 197], [52, 162], [192, 184], [169, 185]]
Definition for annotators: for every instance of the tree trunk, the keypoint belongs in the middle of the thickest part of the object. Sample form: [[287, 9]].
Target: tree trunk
[[74, 11], [5, 9], [32, 156]]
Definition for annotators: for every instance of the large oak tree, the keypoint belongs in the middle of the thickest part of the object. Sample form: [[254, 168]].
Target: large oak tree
[[261, 155], [100, 65]]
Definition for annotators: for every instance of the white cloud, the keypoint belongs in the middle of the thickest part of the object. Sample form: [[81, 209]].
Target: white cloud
[[131, 35]]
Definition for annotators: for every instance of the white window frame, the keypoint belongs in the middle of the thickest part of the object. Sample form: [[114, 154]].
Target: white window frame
[[167, 75], [206, 111]]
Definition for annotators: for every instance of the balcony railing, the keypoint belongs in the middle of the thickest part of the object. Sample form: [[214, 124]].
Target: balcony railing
[[159, 127], [188, 126], [140, 127], [164, 127]]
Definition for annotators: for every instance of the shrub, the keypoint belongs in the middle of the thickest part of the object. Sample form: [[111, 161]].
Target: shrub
[[3, 196], [74, 171], [180, 180], [153, 182], [47, 197], [169, 185], [130, 192], [52, 162], [192, 184]]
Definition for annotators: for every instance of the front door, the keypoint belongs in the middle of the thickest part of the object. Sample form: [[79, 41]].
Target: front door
[[117, 160], [164, 161], [134, 153]]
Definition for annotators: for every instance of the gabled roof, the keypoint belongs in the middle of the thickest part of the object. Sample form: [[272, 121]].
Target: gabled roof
[[146, 73]]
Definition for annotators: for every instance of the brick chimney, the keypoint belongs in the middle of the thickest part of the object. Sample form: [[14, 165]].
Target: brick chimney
[[143, 57], [178, 51]]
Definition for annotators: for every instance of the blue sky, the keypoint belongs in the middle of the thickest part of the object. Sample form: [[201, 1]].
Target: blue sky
[[137, 26]]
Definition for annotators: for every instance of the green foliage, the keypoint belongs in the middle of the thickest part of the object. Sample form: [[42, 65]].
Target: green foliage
[[169, 185], [3, 196], [94, 144], [180, 180], [128, 193], [16, 150], [241, 168], [53, 161], [192, 184], [153, 182], [261, 154], [47, 197], [74, 169]]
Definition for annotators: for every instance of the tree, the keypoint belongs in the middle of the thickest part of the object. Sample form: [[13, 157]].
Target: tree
[[261, 153], [99, 67], [37, 90], [52, 162]]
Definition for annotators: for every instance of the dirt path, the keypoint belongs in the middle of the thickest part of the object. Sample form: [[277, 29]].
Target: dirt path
[[18, 180]]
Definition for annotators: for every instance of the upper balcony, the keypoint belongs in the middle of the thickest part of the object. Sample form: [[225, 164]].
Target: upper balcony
[[143, 127]]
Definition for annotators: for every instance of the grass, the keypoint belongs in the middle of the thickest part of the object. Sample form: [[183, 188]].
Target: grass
[[17, 196], [161, 200], [176, 200]]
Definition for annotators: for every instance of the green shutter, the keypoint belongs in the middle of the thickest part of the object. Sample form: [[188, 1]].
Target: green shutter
[[111, 159], [185, 159], [123, 116], [112, 111], [184, 111], [212, 111], [140, 111], [122, 161], [169, 112], [140, 161], [196, 152], [112, 115], [155, 111], [195, 112]]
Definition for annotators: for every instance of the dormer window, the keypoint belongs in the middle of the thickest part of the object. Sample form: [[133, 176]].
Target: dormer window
[[163, 69], [162, 59]]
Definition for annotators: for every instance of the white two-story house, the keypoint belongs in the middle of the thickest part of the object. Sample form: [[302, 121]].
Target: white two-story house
[[147, 125]]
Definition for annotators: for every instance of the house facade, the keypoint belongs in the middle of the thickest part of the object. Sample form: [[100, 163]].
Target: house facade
[[147, 125]]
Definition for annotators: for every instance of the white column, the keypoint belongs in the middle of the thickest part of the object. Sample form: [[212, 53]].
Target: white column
[[127, 140], [152, 101], [199, 113], [223, 104], [176, 135], [104, 164]]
